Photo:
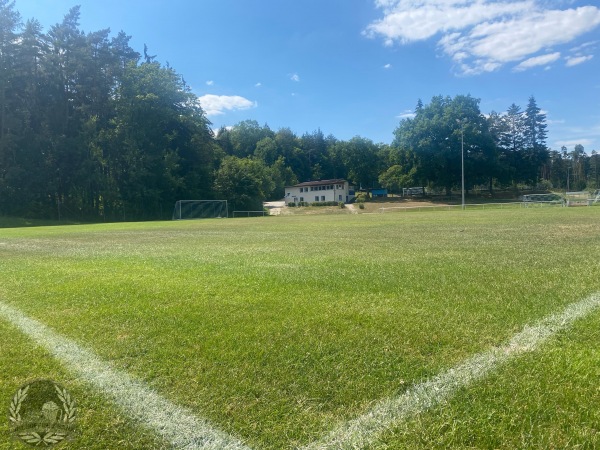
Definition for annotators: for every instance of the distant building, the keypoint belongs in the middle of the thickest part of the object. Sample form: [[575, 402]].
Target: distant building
[[337, 190]]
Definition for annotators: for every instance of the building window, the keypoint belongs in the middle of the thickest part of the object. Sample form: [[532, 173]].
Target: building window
[[322, 198], [340, 197], [316, 198], [302, 198]]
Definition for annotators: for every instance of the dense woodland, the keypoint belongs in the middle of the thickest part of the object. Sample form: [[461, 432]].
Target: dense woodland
[[90, 129]]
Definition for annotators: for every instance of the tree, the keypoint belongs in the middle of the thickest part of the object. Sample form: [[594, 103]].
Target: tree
[[512, 136], [434, 136], [282, 176], [245, 135], [536, 152], [266, 150], [10, 172], [395, 178], [160, 142], [534, 126], [578, 160], [359, 157], [244, 182], [595, 176]]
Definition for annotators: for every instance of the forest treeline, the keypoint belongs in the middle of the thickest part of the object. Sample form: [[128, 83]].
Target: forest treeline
[[91, 129]]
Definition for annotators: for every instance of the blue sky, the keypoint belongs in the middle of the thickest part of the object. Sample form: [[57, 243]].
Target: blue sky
[[356, 67]]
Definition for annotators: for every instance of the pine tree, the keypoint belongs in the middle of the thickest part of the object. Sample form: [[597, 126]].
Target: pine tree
[[513, 136], [535, 133], [537, 154]]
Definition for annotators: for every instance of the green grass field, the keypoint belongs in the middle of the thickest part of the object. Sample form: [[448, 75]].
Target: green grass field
[[278, 329]]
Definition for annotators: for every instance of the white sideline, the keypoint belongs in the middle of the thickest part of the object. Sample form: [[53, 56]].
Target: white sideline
[[364, 430], [175, 424]]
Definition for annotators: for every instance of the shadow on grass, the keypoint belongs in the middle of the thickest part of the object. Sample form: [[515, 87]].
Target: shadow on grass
[[19, 222]]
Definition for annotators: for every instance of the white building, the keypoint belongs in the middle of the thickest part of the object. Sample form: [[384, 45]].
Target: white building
[[320, 191]]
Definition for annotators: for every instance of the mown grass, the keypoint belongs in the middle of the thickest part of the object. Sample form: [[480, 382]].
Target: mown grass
[[276, 329], [544, 400]]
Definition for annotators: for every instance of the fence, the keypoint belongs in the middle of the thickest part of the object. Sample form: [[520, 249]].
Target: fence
[[506, 205], [250, 214]]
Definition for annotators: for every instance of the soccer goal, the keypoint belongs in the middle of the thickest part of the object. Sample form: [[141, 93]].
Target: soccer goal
[[578, 198], [200, 209], [530, 200]]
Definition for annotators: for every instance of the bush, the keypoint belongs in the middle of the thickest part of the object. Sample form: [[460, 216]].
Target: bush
[[302, 203], [362, 197], [361, 205], [342, 205], [324, 204], [544, 185], [291, 204]]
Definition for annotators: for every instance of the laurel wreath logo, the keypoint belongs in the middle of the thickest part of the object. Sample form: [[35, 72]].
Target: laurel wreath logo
[[47, 437], [15, 405], [68, 404]]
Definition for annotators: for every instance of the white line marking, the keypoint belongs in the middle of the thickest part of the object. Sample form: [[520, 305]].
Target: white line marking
[[364, 430], [185, 431], [173, 423]]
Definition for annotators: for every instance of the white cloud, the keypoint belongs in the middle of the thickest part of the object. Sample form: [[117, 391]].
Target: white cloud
[[210, 82], [294, 77], [483, 35], [573, 142], [406, 114], [414, 20], [258, 85], [575, 60], [387, 66], [215, 105], [216, 131], [538, 61]]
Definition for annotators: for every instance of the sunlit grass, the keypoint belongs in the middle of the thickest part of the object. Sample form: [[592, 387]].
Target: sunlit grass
[[278, 328]]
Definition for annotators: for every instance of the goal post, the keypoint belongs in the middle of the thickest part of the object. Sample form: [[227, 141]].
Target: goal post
[[200, 209], [579, 198]]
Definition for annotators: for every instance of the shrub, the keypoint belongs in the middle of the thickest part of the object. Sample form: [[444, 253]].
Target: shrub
[[361, 205], [544, 185], [362, 197], [342, 205], [324, 204], [291, 204]]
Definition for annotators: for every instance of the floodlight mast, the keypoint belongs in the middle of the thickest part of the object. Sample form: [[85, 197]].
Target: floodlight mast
[[461, 122]]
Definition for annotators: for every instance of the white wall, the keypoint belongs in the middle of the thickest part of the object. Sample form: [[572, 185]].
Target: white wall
[[311, 194]]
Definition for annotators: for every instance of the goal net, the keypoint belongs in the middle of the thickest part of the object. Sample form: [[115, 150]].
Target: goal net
[[199, 209], [578, 198], [542, 199]]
